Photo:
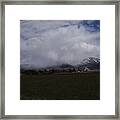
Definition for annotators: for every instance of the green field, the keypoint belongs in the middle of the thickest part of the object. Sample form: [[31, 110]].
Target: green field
[[73, 86]]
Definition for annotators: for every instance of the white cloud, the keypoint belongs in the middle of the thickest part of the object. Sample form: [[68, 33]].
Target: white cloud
[[46, 43], [88, 47]]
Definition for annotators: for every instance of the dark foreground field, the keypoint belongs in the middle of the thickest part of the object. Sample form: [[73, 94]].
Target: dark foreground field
[[74, 86]]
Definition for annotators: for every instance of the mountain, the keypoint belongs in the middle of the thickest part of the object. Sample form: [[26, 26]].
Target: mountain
[[91, 60], [66, 66], [91, 63], [61, 67]]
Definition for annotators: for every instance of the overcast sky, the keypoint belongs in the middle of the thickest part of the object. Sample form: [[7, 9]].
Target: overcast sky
[[45, 43]]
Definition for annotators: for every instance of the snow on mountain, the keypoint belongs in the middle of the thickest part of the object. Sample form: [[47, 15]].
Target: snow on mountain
[[89, 63], [90, 60], [92, 63]]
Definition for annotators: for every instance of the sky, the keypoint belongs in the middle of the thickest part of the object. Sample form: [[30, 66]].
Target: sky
[[52, 42]]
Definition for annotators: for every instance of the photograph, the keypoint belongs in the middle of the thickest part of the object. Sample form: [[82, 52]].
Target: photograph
[[62, 63], [59, 59]]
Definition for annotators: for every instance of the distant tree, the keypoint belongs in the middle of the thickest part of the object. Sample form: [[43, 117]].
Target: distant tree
[[45, 70], [53, 70], [74, 70]]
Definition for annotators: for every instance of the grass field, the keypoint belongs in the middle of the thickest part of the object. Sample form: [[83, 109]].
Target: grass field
[[74, 86]]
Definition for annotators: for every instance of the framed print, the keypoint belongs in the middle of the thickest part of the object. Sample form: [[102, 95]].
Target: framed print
[[59, 59]]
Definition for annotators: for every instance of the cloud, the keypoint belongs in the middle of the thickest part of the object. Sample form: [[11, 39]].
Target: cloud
[[45, 43]]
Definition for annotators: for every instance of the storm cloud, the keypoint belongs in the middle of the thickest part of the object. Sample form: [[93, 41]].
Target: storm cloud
[[45, 43]]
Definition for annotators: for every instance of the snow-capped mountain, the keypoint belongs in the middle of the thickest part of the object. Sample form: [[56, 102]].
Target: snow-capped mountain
[[91, 63], [90, 60]]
